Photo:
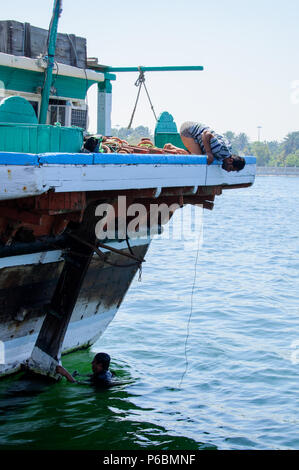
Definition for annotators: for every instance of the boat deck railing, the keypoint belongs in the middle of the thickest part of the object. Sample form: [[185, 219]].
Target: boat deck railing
[[11, 158]]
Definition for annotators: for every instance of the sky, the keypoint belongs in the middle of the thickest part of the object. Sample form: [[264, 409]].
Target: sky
[[249, 50]]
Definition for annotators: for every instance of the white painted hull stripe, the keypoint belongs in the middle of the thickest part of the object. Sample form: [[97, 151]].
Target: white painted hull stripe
[[32, 258], [23, 181], [56, 255]]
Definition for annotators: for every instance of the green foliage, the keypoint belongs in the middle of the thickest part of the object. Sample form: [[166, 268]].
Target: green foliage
[[240, 142], [292, 159], [272, 153], [262, 153], [230, 136], [290, 143]]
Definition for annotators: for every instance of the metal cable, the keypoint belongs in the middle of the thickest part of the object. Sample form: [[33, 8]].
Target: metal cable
[[139, 82], [135, 106]]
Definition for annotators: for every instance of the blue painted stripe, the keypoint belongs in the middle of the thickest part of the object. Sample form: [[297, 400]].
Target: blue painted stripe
[[148, 159], [66, 158], [13, 158]]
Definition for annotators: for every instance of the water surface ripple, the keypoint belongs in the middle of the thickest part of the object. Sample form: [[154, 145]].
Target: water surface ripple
[[241, 387]]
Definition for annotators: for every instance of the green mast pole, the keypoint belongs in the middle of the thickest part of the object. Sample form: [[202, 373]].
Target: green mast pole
[[179, 68], [51, 56]]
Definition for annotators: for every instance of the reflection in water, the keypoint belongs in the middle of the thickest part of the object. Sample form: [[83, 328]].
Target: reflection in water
[[19, 391]]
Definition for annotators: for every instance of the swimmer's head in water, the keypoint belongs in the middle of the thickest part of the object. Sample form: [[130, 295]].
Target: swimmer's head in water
[[100, 363]]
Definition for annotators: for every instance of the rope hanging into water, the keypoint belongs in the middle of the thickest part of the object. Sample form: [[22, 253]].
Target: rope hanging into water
[[139, 82], [191, 300], [190, 314]]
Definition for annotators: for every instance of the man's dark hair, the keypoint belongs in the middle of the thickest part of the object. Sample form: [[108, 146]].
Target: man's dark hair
[[104, 359], [239, 162], [90, 144]]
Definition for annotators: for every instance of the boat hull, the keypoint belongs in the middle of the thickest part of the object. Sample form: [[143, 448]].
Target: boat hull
[[25, 290], [52, 207]]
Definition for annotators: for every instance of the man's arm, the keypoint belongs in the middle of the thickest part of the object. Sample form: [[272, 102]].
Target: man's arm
[[206, 137], [77, 374], [62, 371]]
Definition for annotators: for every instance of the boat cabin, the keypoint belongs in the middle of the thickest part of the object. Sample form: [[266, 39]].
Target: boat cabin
[[23, 61]]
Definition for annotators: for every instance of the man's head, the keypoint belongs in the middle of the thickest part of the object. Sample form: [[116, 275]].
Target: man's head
[[233, 163], [90, 144], [100, 363]]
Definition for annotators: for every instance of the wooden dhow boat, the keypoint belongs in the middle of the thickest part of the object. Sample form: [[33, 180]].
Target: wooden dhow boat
[[61, 283]]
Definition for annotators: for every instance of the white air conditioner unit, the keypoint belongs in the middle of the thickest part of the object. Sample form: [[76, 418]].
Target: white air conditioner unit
[[58, 113], [68, 115], [79, 117]]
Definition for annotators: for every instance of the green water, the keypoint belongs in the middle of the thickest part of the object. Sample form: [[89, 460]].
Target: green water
[[241, 387], [37, 415]]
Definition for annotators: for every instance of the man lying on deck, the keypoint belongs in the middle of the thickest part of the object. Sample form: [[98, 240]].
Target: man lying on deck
[[101, 374], [201, 140]]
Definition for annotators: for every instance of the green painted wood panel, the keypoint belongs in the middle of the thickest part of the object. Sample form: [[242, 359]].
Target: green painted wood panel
[[40, 138], [17, 109], [28, 81], [166, 132]]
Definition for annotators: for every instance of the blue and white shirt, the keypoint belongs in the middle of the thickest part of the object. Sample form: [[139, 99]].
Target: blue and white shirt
[[220, 146]]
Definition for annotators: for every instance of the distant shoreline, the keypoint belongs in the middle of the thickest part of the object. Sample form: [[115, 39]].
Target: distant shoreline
[[277, 171]]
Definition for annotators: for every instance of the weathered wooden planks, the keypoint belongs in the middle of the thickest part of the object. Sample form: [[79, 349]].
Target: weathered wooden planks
[[22, 39]]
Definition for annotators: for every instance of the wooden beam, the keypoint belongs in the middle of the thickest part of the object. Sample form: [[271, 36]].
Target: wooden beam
[[47, 350], [21, 216]]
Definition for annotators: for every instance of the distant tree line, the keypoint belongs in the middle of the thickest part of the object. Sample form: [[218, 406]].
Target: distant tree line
[[268, 153], [272, 153]]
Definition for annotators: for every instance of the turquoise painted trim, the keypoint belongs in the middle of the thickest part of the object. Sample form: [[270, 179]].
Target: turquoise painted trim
[[156, 69], [109, 76], [71, 87], [20, 80], [11, 158], [105, 86], [28, 81]]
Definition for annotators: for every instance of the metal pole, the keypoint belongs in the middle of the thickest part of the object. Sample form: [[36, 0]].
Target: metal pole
[[178, 68], [51, 59]]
